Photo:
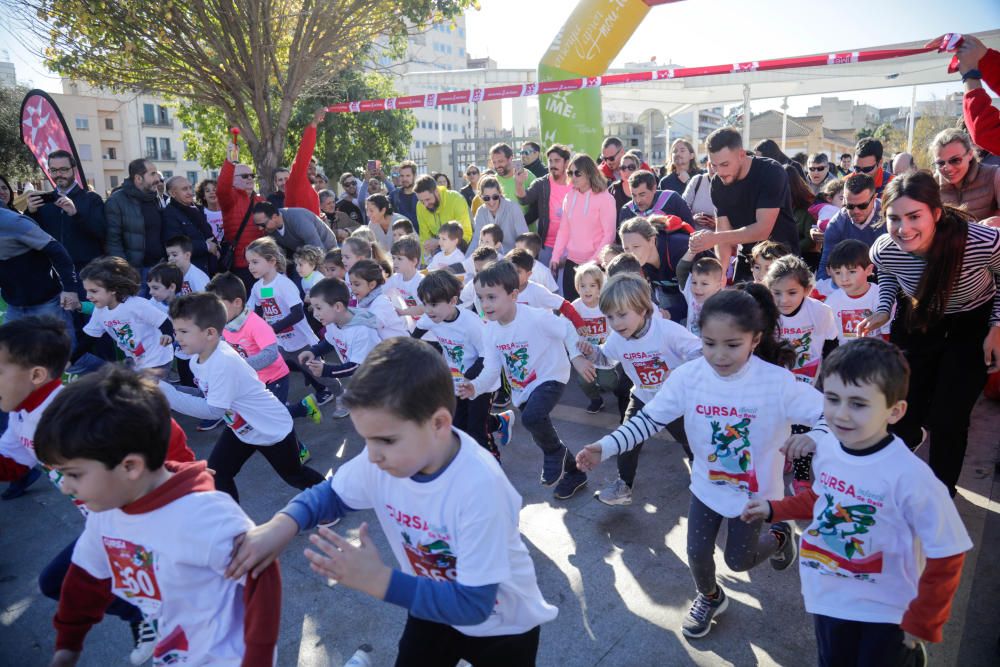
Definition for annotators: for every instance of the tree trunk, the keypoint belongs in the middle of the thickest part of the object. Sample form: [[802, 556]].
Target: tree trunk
[[266, 153]]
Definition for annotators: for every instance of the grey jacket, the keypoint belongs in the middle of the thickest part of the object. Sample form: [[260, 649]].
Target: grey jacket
[[303, 227], [126, 225], [509, 218]]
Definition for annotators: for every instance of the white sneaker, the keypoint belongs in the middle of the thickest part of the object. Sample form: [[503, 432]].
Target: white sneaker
[[145, 635], [340, 410], [616, 493]]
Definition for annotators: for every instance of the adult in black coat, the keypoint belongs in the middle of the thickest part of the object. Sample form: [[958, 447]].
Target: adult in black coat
[[182, 217]]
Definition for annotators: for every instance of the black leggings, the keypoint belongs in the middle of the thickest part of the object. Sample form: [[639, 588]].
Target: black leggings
[[569, 280], [429, 644], [947, 374], [230, 453]]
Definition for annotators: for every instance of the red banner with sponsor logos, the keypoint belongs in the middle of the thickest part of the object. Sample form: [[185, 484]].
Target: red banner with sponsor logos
[[43, 130]]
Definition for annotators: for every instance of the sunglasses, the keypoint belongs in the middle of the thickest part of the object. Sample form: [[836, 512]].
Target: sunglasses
[[250, 175], [472, 173], [952, 161], [527, 152], [823, 168], [575, 172], [491, 197], [860, 207], [866, 170], [629, 167]]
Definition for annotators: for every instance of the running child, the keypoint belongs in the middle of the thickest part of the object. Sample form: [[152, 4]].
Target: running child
[[877, 512], [178, 251], [763, 255], [164, 281], [367, 282], [139, 329], [107, 435], [649, 349], [540, 273], [855, 297], [257, 421], [699, 279], [401, 228], [308, 259], [333, 265], [589, 280], [738, 409], [481, 257], [470, 591], [533, 348], [459, 332], [403, 286], [450, 237], [492, 235]]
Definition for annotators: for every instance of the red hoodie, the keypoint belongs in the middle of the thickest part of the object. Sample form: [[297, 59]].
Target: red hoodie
[[299, 192], [981, 117], [170, 564]]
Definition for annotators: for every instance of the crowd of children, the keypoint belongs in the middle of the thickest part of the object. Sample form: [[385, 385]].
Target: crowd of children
[[757, 374]]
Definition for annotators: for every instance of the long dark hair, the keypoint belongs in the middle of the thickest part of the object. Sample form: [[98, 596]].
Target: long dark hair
[[752, 309], [769, 148], [802, 196], [944, 259], [13, 193]]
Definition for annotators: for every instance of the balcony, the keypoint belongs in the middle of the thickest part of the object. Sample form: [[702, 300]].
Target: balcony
[[158, 122], [161, 156]]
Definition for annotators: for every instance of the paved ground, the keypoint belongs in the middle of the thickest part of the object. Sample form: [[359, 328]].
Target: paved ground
[[618, 575]]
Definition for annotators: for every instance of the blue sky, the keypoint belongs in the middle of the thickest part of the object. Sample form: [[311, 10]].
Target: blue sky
[[699, 32]]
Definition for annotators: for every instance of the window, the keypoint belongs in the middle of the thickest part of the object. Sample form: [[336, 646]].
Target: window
[[151, 153], [86, 154], [167, 174], [193, 177], [148, 114], [82, 123], [113, 181], [112, 153], [109, 123], [163, 118], [165, 149]]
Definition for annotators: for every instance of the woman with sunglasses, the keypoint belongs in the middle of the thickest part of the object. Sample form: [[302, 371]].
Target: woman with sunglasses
[[947, 268], [471, 184], [620, 189], [964, 181], [497, 210], [683, 166], [588, 221]]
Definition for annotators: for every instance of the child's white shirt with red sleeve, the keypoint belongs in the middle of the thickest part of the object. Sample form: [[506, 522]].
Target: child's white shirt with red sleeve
[[18, 441], [167, 553], [807, 331], [848, 311], [875, 519], [536, 296]]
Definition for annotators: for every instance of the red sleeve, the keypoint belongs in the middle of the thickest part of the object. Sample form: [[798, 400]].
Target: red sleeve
[[569, 312], [82, 602], [262, 620], [299, 192], [935, 590], [989, 66], [11, 470], [797, 508], [982, 119], [178, 449], [224, 187]]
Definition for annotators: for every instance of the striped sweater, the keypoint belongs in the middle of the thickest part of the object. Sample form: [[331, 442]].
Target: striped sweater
[[977, 283]]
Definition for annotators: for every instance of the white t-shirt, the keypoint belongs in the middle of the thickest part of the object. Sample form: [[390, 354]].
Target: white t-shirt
[[352, 343], [177, 581], [390, 324], [252, 412], [807, 331], [542, 275], [596, 326], [531, 350], [468, 297], [195, 280], [461, 340], [435, 532], [848, 311], [694, 309], [276, 301], [178, 352], [735, 425], [443, 261], [310, 281], [649, 360], [876, 518], [403, 294], [215, 222], [536, 296], [134, 325]]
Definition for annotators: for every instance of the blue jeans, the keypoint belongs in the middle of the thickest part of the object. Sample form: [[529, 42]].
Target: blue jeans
[[50, 308], [535, 415]]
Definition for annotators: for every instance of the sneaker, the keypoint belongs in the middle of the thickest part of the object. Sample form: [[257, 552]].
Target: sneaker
[[615, 493], [570, 483], [19, 486], [698, 620], [144, 635], [312, 408], [786, 553], [304, 454], [339, 409], [506, 427], [501, 401], [208, 424], [324, 396], [916, 656], [553, 467], [595, 405]]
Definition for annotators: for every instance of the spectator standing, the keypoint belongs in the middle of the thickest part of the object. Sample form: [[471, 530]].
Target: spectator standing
[[341, 223], [752, 198], [436, 206], [612, 150], [646, 200], [818, 172], [292, 228], [348, 201], [868, 160], [547, 196], [162, 198], [277, 197], [622, 190], [471, 184], [207, 196], [683, 166], [531, 157], [845, 167], [7, 194], [588, 224], [501, 156], [965, 182], [300, 191], [135, 219], [698, 197], [403, 198], [976, 64], [236, 197], [182, 217], [859, 219], [499, 210], [903, 163]]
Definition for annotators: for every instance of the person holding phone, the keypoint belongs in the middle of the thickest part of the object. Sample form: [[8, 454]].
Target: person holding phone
[[507, 169]]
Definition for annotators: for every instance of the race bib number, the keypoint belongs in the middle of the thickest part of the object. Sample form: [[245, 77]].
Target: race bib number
[[651, 373], [850, 319], [237, 423], [133, 574]]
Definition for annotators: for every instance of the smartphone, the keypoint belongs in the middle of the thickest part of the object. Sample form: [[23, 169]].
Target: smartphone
[[518, 164], [48, 197], [371, 166]]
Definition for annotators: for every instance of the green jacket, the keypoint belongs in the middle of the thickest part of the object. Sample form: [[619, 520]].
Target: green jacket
[[452, 207]]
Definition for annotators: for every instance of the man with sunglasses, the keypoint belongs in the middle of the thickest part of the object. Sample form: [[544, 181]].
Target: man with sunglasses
[[860, 219], [531, 154], [964, 180], [236, 196], [868, 160], [818, 172], [135, 219], [546, 195], [292, 228]]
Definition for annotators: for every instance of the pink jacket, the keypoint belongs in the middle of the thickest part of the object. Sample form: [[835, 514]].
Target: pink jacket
[[588, 224]]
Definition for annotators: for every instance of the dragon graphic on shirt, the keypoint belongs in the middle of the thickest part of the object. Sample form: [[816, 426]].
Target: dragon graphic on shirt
[[802, 345], [434, 559], [456, 355], [732, 455], [517, 367], [126, 339], [841, 548]]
